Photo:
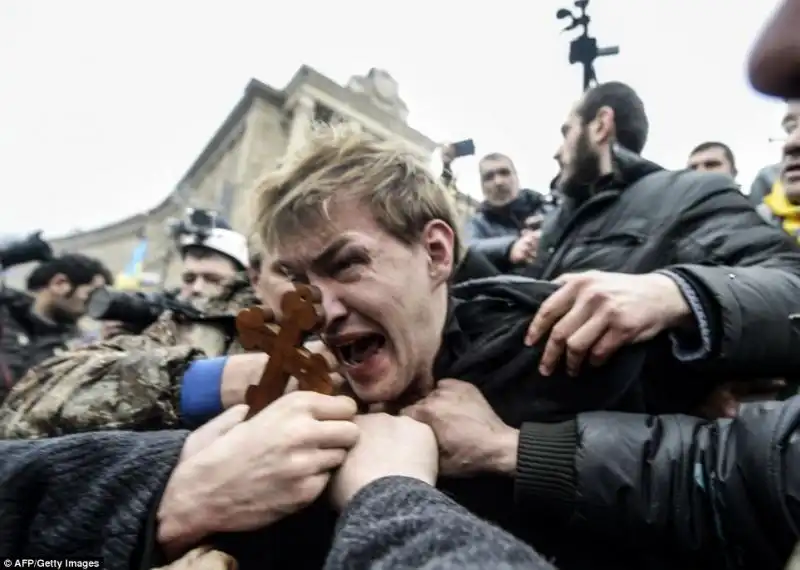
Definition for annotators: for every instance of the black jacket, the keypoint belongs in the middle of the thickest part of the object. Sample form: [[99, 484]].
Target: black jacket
[[25, 339], [699, 226], [492, 230], [702, 494]]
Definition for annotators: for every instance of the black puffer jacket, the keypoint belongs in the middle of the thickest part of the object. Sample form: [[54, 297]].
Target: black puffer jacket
[[699, 226], [492, 230], [700, 494], [25, 339]]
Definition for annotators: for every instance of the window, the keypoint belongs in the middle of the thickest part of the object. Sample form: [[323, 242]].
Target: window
[[323, 114]]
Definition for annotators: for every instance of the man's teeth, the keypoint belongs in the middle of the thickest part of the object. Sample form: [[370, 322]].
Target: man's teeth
[[359, 350]]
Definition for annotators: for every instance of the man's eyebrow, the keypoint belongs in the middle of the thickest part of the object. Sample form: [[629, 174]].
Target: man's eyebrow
[[323, 260], [326, 258]]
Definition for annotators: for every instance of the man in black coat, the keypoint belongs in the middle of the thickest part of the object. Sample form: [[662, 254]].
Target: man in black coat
[[622, 217], [505, 227], [34, 326], [116, 482]]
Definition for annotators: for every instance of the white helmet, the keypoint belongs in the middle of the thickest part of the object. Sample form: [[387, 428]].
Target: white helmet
[[228, 242], [203, 228]]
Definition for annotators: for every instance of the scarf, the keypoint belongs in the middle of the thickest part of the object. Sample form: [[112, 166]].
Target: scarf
[[788, 213]]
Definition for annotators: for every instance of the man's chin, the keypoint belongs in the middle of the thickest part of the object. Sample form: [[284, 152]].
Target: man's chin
[[382, 395]]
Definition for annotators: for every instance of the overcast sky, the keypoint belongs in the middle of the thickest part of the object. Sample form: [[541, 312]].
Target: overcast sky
[[105, 104]]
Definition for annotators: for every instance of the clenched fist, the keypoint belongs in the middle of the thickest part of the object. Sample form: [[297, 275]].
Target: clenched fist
[[388, 445]]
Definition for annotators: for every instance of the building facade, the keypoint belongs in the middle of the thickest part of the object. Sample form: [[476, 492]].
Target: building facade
[[262, 127]]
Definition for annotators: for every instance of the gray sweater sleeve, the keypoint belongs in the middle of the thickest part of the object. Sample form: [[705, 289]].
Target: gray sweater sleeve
[[89, 494], [400, 523]]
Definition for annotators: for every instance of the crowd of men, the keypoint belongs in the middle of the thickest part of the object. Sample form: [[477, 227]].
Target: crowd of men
[[599, 378]]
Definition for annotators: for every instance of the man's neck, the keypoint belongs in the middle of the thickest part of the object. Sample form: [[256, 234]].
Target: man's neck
[[424, 382], [41, 308], [606, 162]]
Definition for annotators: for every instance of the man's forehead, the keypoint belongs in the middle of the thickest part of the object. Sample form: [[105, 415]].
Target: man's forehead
[[340, 228], [711, 151], [573, 116], [495, 163]]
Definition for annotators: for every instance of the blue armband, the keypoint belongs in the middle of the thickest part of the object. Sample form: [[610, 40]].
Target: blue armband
[[201, 390]]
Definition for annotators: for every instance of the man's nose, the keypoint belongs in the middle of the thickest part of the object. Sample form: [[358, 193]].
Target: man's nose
[[198, 285], [557, 157], [332, 304]]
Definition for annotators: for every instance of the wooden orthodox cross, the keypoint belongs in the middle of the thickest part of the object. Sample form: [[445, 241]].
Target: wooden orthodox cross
[[283, 342]]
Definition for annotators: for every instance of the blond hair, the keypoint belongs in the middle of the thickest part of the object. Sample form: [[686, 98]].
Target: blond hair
[[344, 163]]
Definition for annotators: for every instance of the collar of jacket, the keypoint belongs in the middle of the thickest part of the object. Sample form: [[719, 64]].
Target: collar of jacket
[[482, 343], [628, 168], [525, 204]]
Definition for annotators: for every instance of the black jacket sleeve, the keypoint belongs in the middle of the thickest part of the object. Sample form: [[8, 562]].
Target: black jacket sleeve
[[751, 273], [399, 523], [83, 495], [726, 489]]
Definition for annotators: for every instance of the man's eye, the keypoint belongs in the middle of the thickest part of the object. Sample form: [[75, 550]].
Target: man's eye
[[346, 263], [290, 275]]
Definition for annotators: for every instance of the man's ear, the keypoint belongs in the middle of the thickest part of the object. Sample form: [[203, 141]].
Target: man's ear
[[602, 126], [438, 239]]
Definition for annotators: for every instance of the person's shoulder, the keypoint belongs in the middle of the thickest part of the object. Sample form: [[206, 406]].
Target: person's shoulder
[[692, 181], [511, 289], [686, 187]]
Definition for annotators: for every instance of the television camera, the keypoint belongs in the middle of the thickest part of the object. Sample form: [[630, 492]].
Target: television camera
[[135, 309]]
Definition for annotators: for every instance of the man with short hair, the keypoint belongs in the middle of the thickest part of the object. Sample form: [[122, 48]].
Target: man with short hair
[[505, 229], [35, 326], [712, 156]]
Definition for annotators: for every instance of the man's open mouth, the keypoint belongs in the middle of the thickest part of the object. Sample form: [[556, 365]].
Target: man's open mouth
[[357, 350]]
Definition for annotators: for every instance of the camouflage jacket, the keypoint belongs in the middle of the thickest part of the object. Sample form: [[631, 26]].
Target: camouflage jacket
[[127, 382]]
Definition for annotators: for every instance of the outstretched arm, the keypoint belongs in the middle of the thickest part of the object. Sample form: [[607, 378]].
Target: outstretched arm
[[402, 522], [88, 494], [703, 488]]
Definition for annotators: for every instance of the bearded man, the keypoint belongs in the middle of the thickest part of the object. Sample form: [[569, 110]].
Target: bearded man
[[626, 224]]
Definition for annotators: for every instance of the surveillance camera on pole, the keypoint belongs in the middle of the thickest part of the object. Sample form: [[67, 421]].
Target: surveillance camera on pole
[[584, 49]]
